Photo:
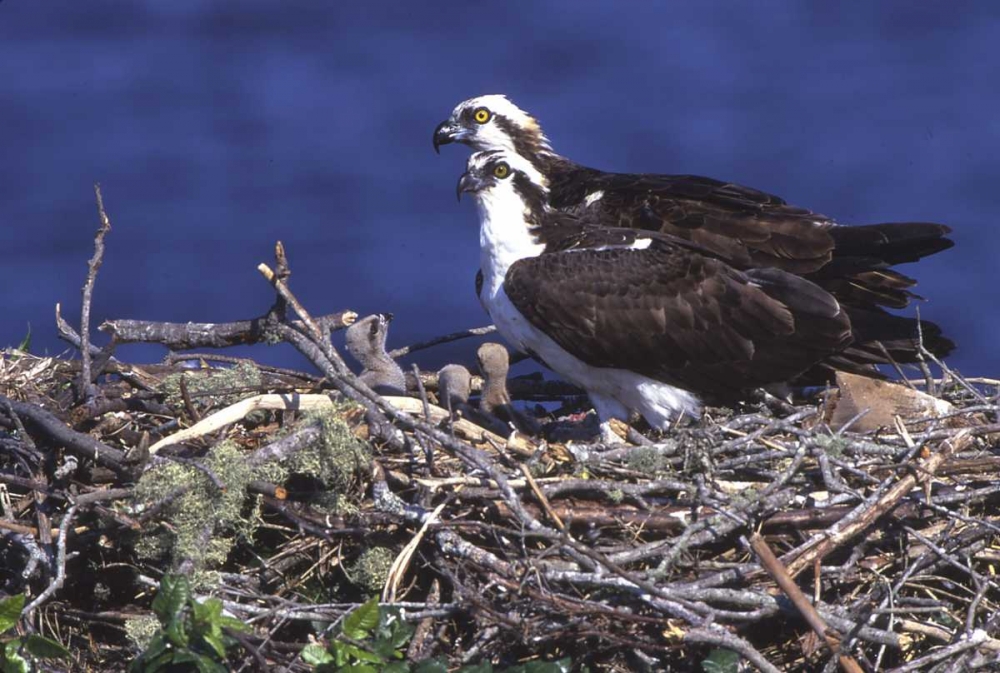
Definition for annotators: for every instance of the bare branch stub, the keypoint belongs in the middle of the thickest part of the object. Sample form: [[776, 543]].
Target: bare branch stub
[[86, 389]]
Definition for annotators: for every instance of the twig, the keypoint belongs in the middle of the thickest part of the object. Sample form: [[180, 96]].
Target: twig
[[714, 635], [541, 497], [189, 335], [186, 396], [447, 338], [60, 577], [778, 573], [279, 282], [77, 442], [172, 358], [825, 543], [86, 391]]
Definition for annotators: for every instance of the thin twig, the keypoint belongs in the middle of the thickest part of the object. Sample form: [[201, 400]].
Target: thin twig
[[86, 391], [60, 577], [437, 341]]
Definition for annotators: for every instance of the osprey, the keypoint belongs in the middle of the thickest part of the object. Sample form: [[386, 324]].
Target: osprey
[[642, 320], [749, 227]]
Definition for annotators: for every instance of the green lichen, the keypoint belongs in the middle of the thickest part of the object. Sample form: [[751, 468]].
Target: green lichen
[[340, 459], [646, 460], [833, 445], [140, 630], [616, 496], [371, 569], [206, 581], [204, 522], [213, 387]]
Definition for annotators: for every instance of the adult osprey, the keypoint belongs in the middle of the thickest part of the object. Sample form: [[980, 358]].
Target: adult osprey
[[643, 321], [748, 227]]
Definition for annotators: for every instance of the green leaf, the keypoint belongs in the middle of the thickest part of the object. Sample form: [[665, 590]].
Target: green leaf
[[13, 662], [384, 649], [157, 645], [215, 642], [485, 667], [204, 611], [206, 665], [316, 654], [10, 612], [159, 662], [201, 662], [176, 633], [42, 647], [439, 666], [360, 622], [25, 344], [396, 667], [395, 629], [360, 654], [339, 651], [561, 666], [233, 623], [721, 661], [174, 594]]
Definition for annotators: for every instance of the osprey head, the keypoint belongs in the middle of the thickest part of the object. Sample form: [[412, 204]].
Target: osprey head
[[489, 123], [504, 175]]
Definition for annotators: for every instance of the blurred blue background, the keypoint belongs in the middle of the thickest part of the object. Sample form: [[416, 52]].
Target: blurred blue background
[[217, 128]]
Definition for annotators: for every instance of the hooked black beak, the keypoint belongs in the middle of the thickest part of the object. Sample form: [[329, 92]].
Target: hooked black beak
[[468, 183], [385, 317], [444, 134]]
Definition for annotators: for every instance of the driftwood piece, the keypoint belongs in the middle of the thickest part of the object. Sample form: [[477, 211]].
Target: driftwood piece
[[867, 404], [295, 402]]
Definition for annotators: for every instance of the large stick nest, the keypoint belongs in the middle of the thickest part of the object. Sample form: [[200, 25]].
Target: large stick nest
[[762, 530]]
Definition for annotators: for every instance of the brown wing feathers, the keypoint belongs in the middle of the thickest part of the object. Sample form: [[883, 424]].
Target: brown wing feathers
[[679, 317], [750, 228]]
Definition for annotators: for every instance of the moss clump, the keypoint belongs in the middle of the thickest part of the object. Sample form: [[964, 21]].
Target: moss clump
[[213, 387], [204, 520], [833, 445], [140, 630], [340, 459], [646, 460], [372, 568]]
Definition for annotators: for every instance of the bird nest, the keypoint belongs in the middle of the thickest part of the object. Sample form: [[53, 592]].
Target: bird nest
[[782, 537]]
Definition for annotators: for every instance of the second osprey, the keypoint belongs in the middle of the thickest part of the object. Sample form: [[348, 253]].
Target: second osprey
[[749, 227], [712, 290]]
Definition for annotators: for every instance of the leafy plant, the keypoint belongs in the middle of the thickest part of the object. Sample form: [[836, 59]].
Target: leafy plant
[[25, 344], [191, 634], [16, 653], [372, 639], [721, 660]]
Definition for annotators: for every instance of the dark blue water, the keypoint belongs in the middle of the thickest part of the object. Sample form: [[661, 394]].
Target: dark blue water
[[217, 128]]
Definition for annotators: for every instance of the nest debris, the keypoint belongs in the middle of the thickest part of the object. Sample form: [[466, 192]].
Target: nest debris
[[295, 498]]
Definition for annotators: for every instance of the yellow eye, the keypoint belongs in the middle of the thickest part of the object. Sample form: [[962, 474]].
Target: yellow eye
[[501, 170], [482, 115]]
